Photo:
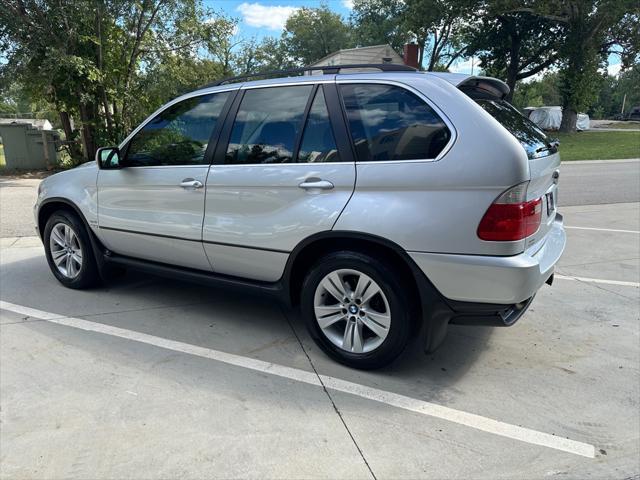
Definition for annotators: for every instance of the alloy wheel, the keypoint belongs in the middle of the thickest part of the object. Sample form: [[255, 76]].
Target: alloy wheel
[[66, 251], [352, 311]]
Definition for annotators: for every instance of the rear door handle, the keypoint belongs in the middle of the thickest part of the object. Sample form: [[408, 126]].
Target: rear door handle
[[191, 183], [316, 183]]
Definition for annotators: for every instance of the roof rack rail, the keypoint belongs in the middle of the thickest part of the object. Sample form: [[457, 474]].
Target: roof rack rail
[[326, 69]]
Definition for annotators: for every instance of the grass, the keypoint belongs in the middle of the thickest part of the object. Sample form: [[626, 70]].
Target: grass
[[592, 145]]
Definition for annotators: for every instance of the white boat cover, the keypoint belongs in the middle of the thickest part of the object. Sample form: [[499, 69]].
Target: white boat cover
[[549, 118]]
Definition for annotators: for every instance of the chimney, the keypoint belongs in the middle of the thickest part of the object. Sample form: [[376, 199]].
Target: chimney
[[410, 55]]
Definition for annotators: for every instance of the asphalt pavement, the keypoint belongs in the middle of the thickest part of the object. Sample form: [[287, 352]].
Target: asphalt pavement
[[599, 182]]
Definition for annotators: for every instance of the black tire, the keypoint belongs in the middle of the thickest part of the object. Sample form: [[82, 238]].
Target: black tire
[[398, 298], [88, 275]]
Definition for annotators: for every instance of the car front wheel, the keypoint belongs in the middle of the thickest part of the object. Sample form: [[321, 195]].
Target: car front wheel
[[68, 250]]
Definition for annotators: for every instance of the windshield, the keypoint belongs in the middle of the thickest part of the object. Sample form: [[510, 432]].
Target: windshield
[[531, 137]]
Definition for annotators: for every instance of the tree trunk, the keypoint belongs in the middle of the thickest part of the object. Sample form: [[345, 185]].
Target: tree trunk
[[569, 120], [87, 118], [107, 112], [514, 66], [433, 57], [69, 135], [66, 125]]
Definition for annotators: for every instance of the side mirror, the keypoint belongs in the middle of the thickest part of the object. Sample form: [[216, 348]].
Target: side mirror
[[108, 158]]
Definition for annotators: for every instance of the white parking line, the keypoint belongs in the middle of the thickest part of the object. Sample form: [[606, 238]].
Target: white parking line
[[389, 398], [603, 229], [596, 280]]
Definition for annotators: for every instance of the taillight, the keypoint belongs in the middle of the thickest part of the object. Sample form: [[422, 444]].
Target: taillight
[[510, 217]]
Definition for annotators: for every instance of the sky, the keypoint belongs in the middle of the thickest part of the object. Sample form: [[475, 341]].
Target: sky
[[262, 18]]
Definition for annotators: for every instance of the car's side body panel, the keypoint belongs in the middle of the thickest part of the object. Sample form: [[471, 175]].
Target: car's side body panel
[[262, 207], [151, 212], [77, 186], [143, 212], [255, 214], [435, 205]]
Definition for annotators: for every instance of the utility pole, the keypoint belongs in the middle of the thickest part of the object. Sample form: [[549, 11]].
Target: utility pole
[[624, 100]]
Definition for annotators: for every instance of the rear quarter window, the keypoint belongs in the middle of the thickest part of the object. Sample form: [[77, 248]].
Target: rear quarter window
[[388, 122], [531, 137]]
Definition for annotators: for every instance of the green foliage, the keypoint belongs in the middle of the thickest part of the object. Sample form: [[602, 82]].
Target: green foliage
[[313, 33], [612, 92], [106, 63], [378, 22], [538, 93], [267, 55], [513, 45], [591, 30], [438, 26]]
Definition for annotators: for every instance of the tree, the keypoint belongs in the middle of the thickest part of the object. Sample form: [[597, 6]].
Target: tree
[[627, 84], [616, 91], [538, 93], [513, 46], [90, 58], [437, 25], [313, 33], [591, 27], [267, 55], [377, 22]]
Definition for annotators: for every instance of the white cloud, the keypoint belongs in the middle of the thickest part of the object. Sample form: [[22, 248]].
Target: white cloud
[[272, 17], [348, 4]]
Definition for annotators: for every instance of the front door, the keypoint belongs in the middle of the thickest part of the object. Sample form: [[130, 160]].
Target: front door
[[153, 207], [281, 177]]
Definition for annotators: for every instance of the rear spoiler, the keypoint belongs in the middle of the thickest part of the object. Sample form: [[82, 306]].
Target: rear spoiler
[[477, 87], [484, 88]]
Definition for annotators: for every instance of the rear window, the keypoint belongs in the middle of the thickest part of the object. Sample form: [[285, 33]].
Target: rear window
[[531, 137]]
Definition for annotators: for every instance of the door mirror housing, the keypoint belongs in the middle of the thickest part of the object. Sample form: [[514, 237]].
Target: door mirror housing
[[108, 158]]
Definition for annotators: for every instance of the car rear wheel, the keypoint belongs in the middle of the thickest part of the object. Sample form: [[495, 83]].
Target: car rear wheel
[[356, 309], [68, 250]]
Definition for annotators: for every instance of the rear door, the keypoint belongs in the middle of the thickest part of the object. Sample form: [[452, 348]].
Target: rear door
[[153, 207], [283, 171]]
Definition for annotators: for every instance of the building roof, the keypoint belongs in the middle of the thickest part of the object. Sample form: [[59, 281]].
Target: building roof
[[39, 123], [370, 54]]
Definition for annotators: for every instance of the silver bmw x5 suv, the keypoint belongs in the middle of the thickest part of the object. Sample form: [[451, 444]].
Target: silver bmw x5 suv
[[386, 205]]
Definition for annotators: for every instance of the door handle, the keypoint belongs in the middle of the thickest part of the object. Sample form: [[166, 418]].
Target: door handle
[[313, 183], [191, 183]]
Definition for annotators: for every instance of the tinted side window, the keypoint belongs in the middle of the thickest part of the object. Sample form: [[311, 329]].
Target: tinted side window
[[391, 123], [530, 136], [318, 142], [267, 125], [179, 135]]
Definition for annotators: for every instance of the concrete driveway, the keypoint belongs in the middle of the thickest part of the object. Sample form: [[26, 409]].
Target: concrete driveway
[[149, 377]]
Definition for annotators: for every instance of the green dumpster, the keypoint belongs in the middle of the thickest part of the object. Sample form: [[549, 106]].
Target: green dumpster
[[28, 148]]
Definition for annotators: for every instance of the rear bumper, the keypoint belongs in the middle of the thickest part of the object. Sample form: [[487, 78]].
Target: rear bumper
[[494, 280]]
